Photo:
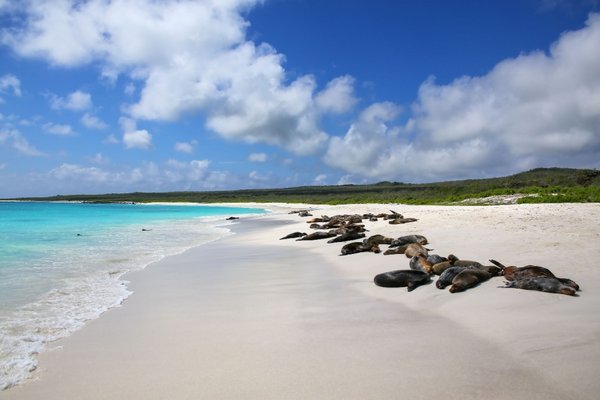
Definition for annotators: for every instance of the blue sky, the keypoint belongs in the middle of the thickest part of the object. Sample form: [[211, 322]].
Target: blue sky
[[144, 95]]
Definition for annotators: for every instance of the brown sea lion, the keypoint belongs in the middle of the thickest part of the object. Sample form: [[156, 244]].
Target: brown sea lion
[[419, 262], [468, 278], [436, 259], [512, 273], [401, 278], [293, 235], [395, 250], [414, 249], [447, 276], [543, 284]]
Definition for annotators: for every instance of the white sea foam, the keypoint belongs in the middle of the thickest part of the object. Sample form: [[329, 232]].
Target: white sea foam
[[91, 282]]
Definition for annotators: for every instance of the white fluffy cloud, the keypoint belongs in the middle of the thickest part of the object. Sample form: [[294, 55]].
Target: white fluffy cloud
[[185, 147], [257, 157], [15, 140], [187, 56], [59, 129], [138, 139], [76, 101], [11, 83], [538, 109], [92, 122]]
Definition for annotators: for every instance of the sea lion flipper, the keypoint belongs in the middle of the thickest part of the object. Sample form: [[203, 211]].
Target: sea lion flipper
[[498, 264]]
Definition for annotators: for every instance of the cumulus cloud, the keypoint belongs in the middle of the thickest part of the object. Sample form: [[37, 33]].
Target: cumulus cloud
[[76, 101], [187, 57], [320, 179], [14, 139], [92, 122], [257, 157], [11, 83], [59, 129], [138, 139], [538, 109], [185, 147]]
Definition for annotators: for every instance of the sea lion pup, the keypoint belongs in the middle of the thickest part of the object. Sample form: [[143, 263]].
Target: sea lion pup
[[350, 235], [414, 249], [513, 273], [358, 247], [543, 284], [378, 239], [402, 240], [293, 235], [467, 278], [401, 278], [419, 263], [318, 235]]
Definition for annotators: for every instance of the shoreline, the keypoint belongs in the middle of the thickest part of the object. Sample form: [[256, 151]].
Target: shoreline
[[547, 342]]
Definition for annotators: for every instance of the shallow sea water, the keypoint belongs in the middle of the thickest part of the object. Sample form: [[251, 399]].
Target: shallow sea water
[[61, 265]]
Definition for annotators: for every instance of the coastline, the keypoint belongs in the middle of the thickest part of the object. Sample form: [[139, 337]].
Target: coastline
[[249, 316]]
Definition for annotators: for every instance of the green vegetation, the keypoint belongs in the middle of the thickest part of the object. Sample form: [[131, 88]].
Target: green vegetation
[[543, 185]]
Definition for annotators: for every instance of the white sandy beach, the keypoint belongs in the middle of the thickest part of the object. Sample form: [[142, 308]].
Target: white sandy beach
[[253, 317]]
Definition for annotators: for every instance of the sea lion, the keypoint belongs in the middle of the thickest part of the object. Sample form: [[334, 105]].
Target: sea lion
[[453, 261], [419, 262], [543, 284], [436, 259], [378, 239], [512, 273], [414, 249], [402, 240], [468, 278], [358, 247], [401, 278], [396, 250], [318, 235], [398, 221], [350, 235], [447, 276], [293, 235]]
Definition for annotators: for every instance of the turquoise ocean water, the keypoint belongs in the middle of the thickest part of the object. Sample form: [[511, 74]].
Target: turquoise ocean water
[[61, 265]]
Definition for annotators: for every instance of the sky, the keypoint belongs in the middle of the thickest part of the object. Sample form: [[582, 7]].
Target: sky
[[105, 96]]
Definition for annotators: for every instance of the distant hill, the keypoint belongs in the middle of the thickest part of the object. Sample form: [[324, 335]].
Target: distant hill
[[541, 184]]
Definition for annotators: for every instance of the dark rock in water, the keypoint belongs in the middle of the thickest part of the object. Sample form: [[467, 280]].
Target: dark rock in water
[[409, 239], [231, 218], [408, 278], [318, 235], [146, 230], [293, 235], [352, 235]]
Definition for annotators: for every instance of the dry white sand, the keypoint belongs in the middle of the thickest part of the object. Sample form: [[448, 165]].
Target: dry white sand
[[253, 317]]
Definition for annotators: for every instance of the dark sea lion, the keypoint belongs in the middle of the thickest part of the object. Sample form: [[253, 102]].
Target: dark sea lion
[[399, 221], [351, 235], [318, 235], [452, 261], [414, 249], [543, 284], [293, 235], [436, 259], [512, 273], [447, 276], [401, 278], [468, 278], [420, 263], [378, 239], [358, 247], [401, 241]]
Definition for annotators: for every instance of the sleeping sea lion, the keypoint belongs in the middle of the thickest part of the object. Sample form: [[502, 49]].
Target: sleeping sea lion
[[293, 235], [318, 235], [350, 235], [512, 273], [397, 221], [400, 278], [414, 249], [378, 239], [420, 263], [468, 278], [395, 250], [447, 276], [543, 284], [435, 259], [358, 247], [402, 240]]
